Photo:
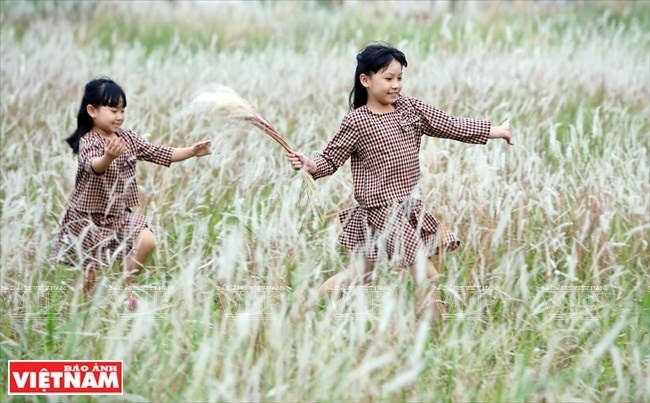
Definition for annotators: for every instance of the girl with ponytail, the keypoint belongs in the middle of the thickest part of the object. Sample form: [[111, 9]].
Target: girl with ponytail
[[100, 227]]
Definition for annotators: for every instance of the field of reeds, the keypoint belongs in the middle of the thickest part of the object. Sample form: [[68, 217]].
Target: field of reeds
[[547, 299]]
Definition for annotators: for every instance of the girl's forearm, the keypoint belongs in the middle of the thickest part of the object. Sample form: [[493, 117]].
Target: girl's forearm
[[495, 132], [182, 153], [101, 164]]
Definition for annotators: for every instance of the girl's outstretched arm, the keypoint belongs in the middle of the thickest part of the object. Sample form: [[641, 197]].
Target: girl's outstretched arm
[[501, 132], [197, 150], [337, 151]]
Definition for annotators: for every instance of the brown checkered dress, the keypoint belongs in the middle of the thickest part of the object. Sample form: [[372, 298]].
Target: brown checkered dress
[[389, 220], [99, 228]]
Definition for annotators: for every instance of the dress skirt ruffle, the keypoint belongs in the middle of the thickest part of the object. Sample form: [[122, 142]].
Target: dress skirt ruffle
[[95, 240], [399, 233]]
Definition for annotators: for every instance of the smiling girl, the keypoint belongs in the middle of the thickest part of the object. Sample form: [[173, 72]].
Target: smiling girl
[[381, 135], [99, 226]]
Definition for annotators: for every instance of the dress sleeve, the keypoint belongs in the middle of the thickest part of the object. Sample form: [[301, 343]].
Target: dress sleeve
[[89, 149], [438, 123], [338, 150], [146, 151]]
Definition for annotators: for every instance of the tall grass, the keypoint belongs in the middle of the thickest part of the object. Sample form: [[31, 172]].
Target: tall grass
[[547, 299]]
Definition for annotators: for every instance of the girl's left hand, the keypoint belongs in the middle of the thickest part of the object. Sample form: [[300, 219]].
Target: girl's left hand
[[201, 148], [501, 132]]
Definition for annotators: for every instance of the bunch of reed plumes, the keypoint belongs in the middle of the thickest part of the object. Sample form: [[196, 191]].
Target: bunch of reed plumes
[[222, 101]]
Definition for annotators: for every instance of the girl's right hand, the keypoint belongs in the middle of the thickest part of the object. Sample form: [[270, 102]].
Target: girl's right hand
[[114, 147], [299, 160]]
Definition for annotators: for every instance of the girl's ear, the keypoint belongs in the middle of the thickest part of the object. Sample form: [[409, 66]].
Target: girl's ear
[[91, 111], [365, 80]]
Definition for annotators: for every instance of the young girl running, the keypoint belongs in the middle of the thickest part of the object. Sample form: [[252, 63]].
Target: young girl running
[[99, 227], [382, 135]]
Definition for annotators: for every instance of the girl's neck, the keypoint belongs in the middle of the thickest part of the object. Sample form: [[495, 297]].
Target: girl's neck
[[380, 109]]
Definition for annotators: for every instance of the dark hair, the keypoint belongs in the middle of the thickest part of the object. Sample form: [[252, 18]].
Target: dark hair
[[99, 92], [373, 58]]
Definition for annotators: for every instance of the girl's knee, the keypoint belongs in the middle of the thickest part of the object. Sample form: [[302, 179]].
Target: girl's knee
[[425, 271], [146, 241], [432, 273], [431, 269]]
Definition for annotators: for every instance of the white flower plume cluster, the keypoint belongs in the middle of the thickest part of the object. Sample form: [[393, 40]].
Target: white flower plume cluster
[[223, 101]]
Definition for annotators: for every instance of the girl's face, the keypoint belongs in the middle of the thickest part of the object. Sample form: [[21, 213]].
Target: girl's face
[[384, 86], [106, 119]]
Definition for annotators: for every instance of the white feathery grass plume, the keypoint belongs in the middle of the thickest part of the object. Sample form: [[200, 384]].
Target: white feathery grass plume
[[222, 101]]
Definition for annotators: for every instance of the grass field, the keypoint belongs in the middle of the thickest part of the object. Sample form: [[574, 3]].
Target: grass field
[[547, 299]]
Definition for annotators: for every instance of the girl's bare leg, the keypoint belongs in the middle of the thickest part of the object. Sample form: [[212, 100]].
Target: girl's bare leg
[[427, 291], [345, 278], [89, 282], [145, 243]]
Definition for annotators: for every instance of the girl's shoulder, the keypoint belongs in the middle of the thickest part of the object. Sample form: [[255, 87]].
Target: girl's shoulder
[[129, 135], [353, 117], [412, 106], [406, 102], [124, 132], [355, 114], [89, 137]]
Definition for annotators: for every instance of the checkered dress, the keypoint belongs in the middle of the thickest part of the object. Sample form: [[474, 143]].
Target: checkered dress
[[389, 220], [99, 228]]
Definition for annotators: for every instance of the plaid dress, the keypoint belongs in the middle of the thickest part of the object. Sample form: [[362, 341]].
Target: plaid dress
[[389, 220], [99, 228]]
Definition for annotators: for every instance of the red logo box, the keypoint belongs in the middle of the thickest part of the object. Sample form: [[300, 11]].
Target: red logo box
[[65, 377]]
